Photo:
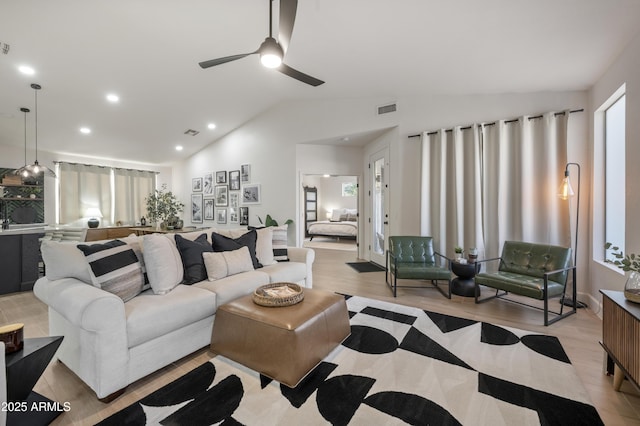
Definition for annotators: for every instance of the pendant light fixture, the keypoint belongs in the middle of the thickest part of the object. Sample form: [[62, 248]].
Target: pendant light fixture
[[33, 170]]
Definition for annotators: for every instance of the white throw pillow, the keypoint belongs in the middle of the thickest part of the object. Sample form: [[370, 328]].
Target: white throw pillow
[[280, 243], [264, 246], [163, 263], [336, 213], [64, 260], [225, 263]]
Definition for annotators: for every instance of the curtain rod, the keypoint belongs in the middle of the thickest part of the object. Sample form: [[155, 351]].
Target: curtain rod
[[506, 121], [104, 167]]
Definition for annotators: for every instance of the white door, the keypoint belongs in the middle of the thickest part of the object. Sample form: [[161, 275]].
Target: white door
[[379, 220]]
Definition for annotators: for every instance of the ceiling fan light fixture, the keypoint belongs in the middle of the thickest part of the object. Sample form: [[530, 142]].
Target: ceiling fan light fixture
[[271, 53]]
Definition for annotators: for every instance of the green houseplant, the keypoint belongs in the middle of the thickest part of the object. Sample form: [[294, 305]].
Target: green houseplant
[[269, 221], [628, 262], [162, 206]]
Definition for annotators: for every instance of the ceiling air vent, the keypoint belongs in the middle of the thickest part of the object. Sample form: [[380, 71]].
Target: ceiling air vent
[[385, 109], [191, 132], [4, 47]]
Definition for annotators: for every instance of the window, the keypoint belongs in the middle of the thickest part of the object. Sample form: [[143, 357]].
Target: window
[[119, 194], [349, 189], [614, 173]]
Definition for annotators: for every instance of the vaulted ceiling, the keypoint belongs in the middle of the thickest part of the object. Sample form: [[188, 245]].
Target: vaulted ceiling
[[147, 52]]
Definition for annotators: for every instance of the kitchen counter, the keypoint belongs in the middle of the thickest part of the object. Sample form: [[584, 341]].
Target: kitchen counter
[[20, 258]]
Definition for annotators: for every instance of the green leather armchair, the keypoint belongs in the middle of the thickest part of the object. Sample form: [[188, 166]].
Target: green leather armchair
[[538, 271], [413, 257]]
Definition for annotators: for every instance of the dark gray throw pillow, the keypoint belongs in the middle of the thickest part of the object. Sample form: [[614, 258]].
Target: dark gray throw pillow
[[191, 254], [222, 243]]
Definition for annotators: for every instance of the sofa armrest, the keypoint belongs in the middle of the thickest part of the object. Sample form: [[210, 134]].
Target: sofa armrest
[[81, 304], [306, 256]]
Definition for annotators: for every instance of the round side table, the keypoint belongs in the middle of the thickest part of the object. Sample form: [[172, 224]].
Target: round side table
[[463, 284]]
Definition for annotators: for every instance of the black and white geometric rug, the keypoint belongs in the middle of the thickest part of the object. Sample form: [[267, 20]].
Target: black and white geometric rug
[[400, 365]]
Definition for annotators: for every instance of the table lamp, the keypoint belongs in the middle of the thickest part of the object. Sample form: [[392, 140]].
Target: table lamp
[[93, 213]]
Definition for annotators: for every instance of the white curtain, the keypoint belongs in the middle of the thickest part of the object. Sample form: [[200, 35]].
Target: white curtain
[[490, 183], [131, 187], [452, 189], [81, 187]]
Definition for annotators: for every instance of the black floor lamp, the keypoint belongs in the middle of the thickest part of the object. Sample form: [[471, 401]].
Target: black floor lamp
[[565, 192]]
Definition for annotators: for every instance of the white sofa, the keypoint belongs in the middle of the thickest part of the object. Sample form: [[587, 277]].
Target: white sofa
[[110, 343]]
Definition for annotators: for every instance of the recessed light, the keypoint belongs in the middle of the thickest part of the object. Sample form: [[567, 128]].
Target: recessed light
[[112, 98], [24, 69], [326, 176], [179, 148], [211, 126], [85, 130]]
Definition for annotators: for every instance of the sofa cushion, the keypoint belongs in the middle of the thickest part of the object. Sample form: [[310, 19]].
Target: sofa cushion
[[286, 272], [234, 286], [191, 255], [223, 264], [222, 243], [163, 262], [151, 315], [114, 268], [64, 260]]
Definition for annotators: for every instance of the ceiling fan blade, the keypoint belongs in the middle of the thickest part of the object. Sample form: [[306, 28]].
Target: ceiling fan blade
[[214, 62], [300, 76], [287, 18]]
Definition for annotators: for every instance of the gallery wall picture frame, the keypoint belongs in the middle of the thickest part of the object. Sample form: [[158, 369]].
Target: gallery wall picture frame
[[234, 199], [196, 208], [244, 215], [222, 195], [222, 216], [221, 177], [251, 194], [245, 173], [196, 184], [208, 183], [234, 180], [208, 208], [234, 215]]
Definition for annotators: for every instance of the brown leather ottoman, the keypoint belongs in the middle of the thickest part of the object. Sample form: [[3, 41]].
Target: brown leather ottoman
[[284, 343]]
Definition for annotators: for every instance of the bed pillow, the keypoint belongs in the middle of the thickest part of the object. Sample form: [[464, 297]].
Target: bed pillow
[[115, 268], [335, 215], [191, 255], [222, 264], [280, 243], [163, 262], [222, 243]]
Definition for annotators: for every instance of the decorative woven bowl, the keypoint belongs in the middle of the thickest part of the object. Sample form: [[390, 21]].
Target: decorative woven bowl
[[278, 294]]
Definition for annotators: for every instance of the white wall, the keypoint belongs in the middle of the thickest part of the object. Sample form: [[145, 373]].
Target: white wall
[[13, 156], [623, 71]]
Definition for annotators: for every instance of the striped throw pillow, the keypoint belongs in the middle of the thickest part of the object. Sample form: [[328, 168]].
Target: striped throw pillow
[[280, 243], [115, 268]]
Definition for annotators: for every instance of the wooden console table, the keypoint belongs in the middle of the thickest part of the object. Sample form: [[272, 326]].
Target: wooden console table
[[621, 336]]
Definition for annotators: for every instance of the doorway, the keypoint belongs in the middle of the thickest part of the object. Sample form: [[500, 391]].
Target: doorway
[[379, 199], [330, 211]]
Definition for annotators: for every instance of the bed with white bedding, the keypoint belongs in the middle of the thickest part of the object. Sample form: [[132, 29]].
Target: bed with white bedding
[[343, 224]]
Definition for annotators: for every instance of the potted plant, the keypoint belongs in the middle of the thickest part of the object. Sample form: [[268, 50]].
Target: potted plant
[[163, 206], [458, 251], [269, 221], [629, 262]]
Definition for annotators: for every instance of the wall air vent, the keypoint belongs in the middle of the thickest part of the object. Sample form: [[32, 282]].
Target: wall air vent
[[191, 132], [4, 47], [385, 109]]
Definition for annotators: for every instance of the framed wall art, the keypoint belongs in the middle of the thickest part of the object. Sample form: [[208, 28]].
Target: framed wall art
[[208, 208], [245, 173], [244, 215], [196, 208], [234, 180], [234, 199], [196, 184], [208, 183], [251, 194], [221, 177], [222, 215], [222, 195], [234, 215]]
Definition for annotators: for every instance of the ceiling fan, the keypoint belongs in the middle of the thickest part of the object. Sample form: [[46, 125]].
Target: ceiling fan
[[272, 51]]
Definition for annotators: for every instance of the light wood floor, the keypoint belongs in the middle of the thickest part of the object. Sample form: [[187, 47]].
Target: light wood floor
[[579, 335]]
